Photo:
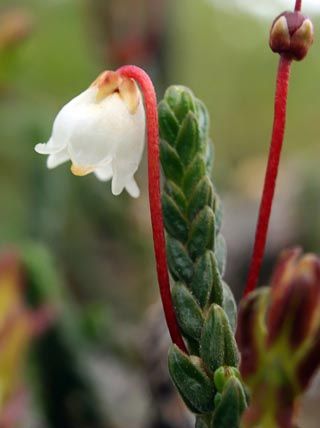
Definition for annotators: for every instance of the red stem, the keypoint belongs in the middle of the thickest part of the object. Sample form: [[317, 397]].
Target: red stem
[[298, 6], [279, 123], [150, 99]]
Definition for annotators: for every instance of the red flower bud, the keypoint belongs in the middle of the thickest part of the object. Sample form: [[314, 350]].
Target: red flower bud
[[250, 331], [295, 296], [291, 35], [278, 335]]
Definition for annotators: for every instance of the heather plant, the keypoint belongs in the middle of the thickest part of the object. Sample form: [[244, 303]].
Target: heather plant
[[230, 374]]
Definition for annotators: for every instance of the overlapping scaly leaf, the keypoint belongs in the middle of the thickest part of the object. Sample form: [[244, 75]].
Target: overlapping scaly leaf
[[204, 304]]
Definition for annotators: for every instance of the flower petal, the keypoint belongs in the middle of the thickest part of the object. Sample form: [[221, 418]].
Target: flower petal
[[123, 171], [132, 188], [58, 158], [49, 148], [104, 173], [102, 130], [129, 92]]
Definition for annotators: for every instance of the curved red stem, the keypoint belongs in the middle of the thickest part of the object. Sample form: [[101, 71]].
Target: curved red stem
[[279, 123], [298, 5], [150, 99]]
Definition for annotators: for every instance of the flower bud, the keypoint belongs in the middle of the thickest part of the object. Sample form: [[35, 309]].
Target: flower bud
[[291, 35], [295, 287], [102, 131], [223, 374], [279, 339]]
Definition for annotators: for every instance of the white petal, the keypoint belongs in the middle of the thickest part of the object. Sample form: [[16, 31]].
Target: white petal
[[92, 131], [49, 148], [104, 173], [123, 171], [63, 126], [132, 188], [104, 129], [58, 158], [117, 186]]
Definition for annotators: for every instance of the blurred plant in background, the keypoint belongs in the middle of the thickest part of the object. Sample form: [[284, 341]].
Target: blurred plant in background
[[16, 335]]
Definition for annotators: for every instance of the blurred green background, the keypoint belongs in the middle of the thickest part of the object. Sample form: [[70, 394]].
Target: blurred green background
[[51, 50]]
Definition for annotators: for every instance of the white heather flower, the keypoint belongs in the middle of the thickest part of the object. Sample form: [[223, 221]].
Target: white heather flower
[[102, 131]]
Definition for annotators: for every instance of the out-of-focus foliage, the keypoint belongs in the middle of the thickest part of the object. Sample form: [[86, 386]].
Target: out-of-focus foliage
[[15, 335], [64, 387]]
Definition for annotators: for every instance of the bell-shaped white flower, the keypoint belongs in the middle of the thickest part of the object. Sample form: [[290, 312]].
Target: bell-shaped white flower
[[102, 131]]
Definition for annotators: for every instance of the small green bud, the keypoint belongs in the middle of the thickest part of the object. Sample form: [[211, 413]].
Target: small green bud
[[223, 374], [181, 101], [228, 411]]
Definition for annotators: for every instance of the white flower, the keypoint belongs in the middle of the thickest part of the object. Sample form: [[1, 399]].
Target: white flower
[[102, 131]]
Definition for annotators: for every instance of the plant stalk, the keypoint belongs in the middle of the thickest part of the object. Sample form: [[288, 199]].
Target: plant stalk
[[280, 112], [150, 99]]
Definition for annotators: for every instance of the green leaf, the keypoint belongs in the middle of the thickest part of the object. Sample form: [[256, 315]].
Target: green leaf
[[194, 385], [206, 283], [176, 194], [188, 139], [233, 402], [202, 280], [221, 253], [231, 353], [217, 286], [201, 197], [202, 233], [218, 213], [218, 346], [175, 222], [194, 173], [193, 346], [170, 162], [209, 157], [181, 100], [212, 344], [217, 400], [230, 306], [169, 126], [203, 120], [203, 421], [180, 264], [188, 312]]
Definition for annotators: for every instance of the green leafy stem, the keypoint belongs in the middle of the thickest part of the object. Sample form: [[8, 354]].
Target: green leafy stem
[[208, 379]]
